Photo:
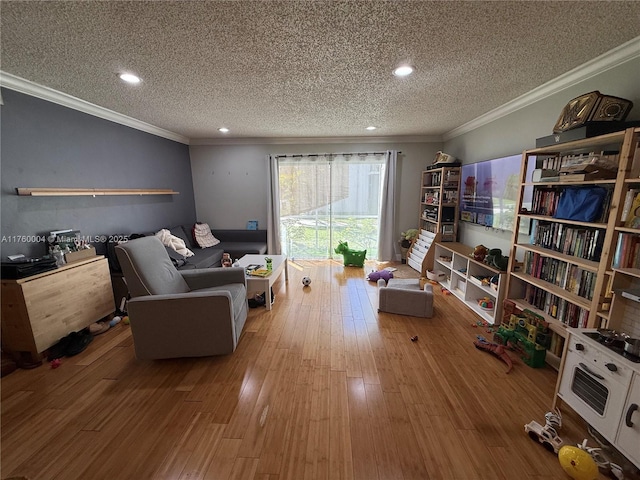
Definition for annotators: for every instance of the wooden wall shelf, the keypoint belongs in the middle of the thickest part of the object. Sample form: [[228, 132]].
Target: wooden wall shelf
[[92, 192]]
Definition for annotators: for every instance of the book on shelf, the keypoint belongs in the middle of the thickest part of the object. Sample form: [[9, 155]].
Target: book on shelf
[[627, 252], [567, 276], [628, 201], [564, 311], [633, 217]]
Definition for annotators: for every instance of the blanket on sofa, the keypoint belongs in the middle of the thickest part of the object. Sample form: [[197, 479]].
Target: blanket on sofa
[[174, 242]]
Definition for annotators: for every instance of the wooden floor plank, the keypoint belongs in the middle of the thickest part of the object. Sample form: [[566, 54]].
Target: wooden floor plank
[[340, 457], [362, 445], [316, 461], [386, 450], [411, 461]]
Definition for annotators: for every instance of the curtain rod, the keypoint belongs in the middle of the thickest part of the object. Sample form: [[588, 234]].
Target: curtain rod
[[330, 154]]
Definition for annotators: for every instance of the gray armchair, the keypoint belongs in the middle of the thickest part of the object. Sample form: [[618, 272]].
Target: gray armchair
[[189, 313]]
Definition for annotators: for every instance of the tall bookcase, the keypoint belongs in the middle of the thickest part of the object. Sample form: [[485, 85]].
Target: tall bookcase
[[564, 271], [624, 287], [439, 196]]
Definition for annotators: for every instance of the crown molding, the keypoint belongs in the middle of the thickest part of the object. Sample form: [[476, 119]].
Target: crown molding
[[28, 87], [619, 55], [315, 140]]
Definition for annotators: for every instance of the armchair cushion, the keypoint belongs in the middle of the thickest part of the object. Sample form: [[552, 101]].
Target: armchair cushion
[[148, 268], [213, 277]]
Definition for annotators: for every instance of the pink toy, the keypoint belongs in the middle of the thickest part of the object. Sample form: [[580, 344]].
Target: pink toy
[[56, 363], [386, 275]]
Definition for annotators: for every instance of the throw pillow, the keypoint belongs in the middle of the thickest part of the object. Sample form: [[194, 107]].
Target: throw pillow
[[203, 236]]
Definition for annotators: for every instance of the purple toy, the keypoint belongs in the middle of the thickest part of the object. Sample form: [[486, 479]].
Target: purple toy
[[383, 274]]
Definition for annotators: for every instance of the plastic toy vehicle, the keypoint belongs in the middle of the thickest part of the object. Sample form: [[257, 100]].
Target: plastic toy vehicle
[[546, 435]]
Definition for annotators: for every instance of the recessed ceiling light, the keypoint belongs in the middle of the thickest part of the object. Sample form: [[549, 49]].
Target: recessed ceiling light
[[130, 78], [223, 130], [371, 127], [403, 71]]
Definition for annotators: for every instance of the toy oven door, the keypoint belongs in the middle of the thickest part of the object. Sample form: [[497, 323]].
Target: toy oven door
[[592, 391]]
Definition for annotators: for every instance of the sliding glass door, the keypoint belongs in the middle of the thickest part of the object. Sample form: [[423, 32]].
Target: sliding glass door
[[329, 198]]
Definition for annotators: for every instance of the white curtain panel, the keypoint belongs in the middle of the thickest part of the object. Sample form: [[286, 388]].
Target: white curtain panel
[[386, 233], [273, 208]]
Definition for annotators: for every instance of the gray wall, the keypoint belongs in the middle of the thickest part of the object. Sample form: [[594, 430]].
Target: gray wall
[[47, 145], [230, 181], [518, 131]]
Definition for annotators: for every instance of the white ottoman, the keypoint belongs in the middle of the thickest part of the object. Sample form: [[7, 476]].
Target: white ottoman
[[405, 297]]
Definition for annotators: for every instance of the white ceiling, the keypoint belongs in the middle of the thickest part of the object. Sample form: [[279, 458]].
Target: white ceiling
[[293, 69]]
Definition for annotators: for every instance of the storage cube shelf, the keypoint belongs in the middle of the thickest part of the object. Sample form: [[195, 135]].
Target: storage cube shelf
[[463, 273]]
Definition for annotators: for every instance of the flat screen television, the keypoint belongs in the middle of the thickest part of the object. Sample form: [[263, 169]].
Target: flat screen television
[[489, 191]]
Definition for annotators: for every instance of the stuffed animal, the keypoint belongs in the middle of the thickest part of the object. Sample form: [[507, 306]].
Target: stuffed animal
[[480, 252], [386, 275], [496, 259], [354, 258]]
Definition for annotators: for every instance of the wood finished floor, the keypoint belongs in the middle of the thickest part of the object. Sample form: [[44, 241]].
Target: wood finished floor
[[321, 387]]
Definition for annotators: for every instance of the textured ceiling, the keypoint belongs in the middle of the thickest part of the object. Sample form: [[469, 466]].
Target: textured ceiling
[[306, 69]]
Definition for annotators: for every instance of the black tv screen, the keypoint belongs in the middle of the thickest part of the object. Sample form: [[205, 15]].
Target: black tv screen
[[489, 191]]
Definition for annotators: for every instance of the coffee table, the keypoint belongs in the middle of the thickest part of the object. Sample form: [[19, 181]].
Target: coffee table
[[264, 284]]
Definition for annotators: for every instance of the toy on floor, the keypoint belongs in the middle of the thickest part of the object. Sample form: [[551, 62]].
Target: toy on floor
[[547, 435], [351, 257], [601, 461], [499, 351], [578, 463], [306, 281], [385, 275]]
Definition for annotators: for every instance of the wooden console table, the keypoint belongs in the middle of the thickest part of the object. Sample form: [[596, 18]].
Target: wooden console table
[[38, 311]]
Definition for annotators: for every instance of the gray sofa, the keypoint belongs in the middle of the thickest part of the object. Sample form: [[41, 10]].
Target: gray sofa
[[236, 243]]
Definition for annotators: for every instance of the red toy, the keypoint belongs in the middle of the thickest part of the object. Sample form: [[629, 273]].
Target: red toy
[[499, 351]]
